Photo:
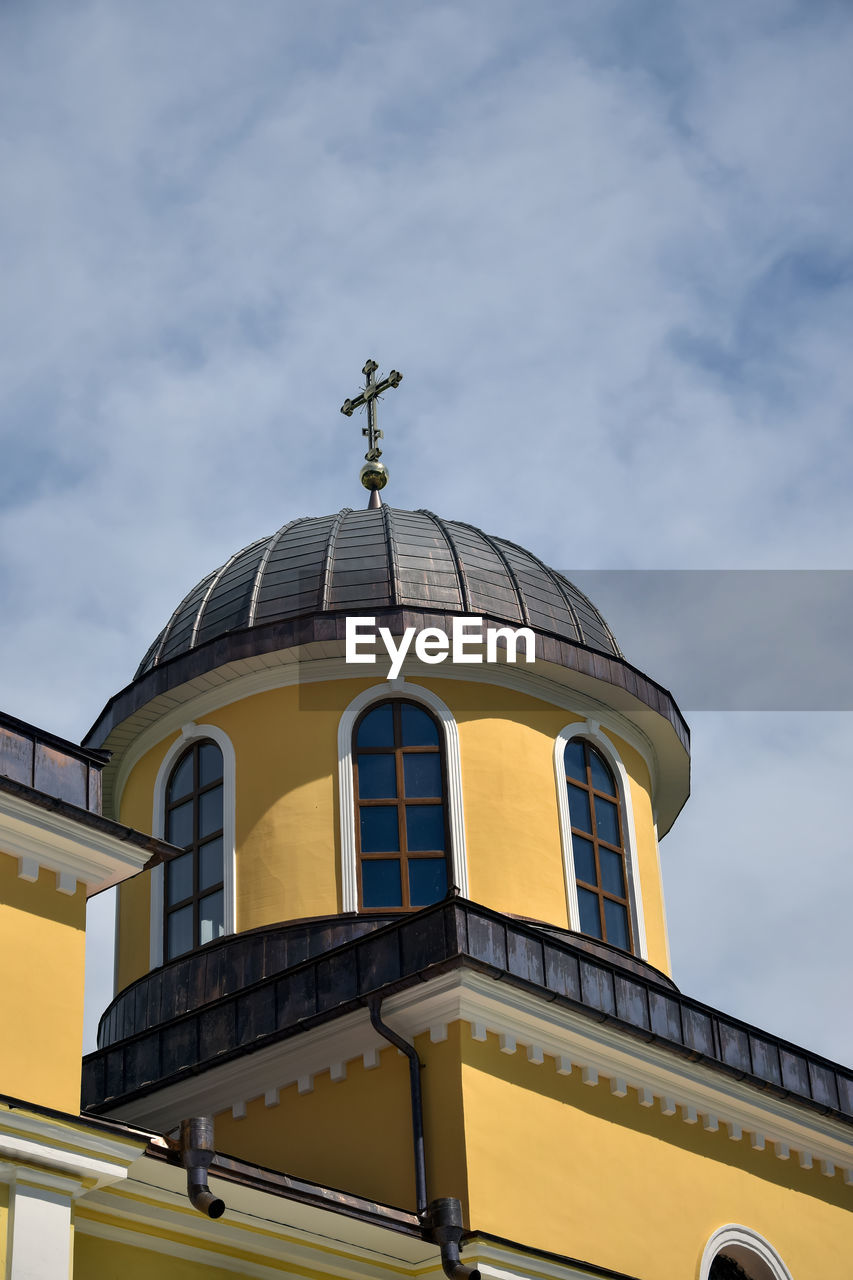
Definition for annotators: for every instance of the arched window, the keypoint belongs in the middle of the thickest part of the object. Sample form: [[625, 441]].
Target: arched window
[[725, 1268], [400, 794], [598, 845], [739, 1253], [194, 905]]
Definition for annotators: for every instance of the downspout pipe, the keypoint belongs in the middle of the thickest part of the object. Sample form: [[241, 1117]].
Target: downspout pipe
[[389, 1034], [197, 1152], [441, 1219], [444, 1224]]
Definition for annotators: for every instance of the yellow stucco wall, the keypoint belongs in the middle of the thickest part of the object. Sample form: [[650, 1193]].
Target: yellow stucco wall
[[356, 1134], [574, 1170], [98, 1259], [287, 823], [42, 951]]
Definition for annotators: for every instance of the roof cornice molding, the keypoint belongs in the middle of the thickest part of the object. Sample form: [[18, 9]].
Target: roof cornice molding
[[73, 848], [85, 1159], [641, 1072]]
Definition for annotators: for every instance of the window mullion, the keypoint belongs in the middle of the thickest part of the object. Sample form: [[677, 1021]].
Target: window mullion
[[402, 835]]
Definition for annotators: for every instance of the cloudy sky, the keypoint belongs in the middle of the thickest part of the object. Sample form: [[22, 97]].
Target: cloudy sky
[[609, 245]]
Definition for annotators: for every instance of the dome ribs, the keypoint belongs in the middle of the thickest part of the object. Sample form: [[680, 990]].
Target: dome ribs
[[454, 551], [557, 581], [359, 572], [367, 560], [523, 611], [326, 577], [293, 576], [188, 600], [219, 576], [227, 606], [393, 570], [259, 576], [427, 576]]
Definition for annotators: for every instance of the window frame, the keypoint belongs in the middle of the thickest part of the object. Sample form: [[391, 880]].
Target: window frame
[[401, 801], [190, 733], [454, 813], [591, 731], [194, 796], [746, 1247], [594, 838]]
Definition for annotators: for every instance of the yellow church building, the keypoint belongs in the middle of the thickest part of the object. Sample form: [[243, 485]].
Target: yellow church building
[[393, 989]]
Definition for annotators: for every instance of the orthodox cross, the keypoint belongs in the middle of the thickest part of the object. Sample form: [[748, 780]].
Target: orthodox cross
[[371, 393]]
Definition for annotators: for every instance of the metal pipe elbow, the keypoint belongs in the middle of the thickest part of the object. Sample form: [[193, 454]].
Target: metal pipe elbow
[[443, 1223], [453, 1267], [197, 1152]]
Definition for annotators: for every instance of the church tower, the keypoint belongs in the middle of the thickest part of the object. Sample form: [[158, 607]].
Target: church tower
[[410, 940]]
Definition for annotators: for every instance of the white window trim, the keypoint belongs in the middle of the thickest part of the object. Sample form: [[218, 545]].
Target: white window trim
[[591, 730], [390, 689], [743, 1245], [192, 733]]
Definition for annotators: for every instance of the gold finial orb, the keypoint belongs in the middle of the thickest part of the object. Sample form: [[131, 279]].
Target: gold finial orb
[[374, 475]]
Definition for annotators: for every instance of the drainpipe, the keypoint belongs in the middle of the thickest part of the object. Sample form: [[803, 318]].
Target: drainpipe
[[373, 1005], [197, 1152], [441, 1219]]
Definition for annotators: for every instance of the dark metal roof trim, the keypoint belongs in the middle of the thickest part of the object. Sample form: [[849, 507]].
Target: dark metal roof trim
[[451, 935], [90, 755], [259, 1178], [159, 850]]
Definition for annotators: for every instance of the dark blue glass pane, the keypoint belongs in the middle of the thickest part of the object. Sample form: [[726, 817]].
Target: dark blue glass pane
[[606, 820], [575, 764], [182, 779], [210, 864], [424, 827], [427, 881], [179, 878], [180, 932], [602, 778], [377, 728], [612, 878], [579, 808], [210, 812], [422, 774], [379, 830], [179, 827], [211, 917], [616, 923], [377, 777], [590, 919], [584, 855], [419, 728], [380, 883], [209, 763]]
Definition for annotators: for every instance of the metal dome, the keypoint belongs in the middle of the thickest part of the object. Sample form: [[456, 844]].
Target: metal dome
[[368, 560]]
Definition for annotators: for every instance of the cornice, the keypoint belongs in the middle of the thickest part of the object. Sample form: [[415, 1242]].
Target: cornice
[[152, 1205], [36, 1149], [75, 850], [641, 1072]]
